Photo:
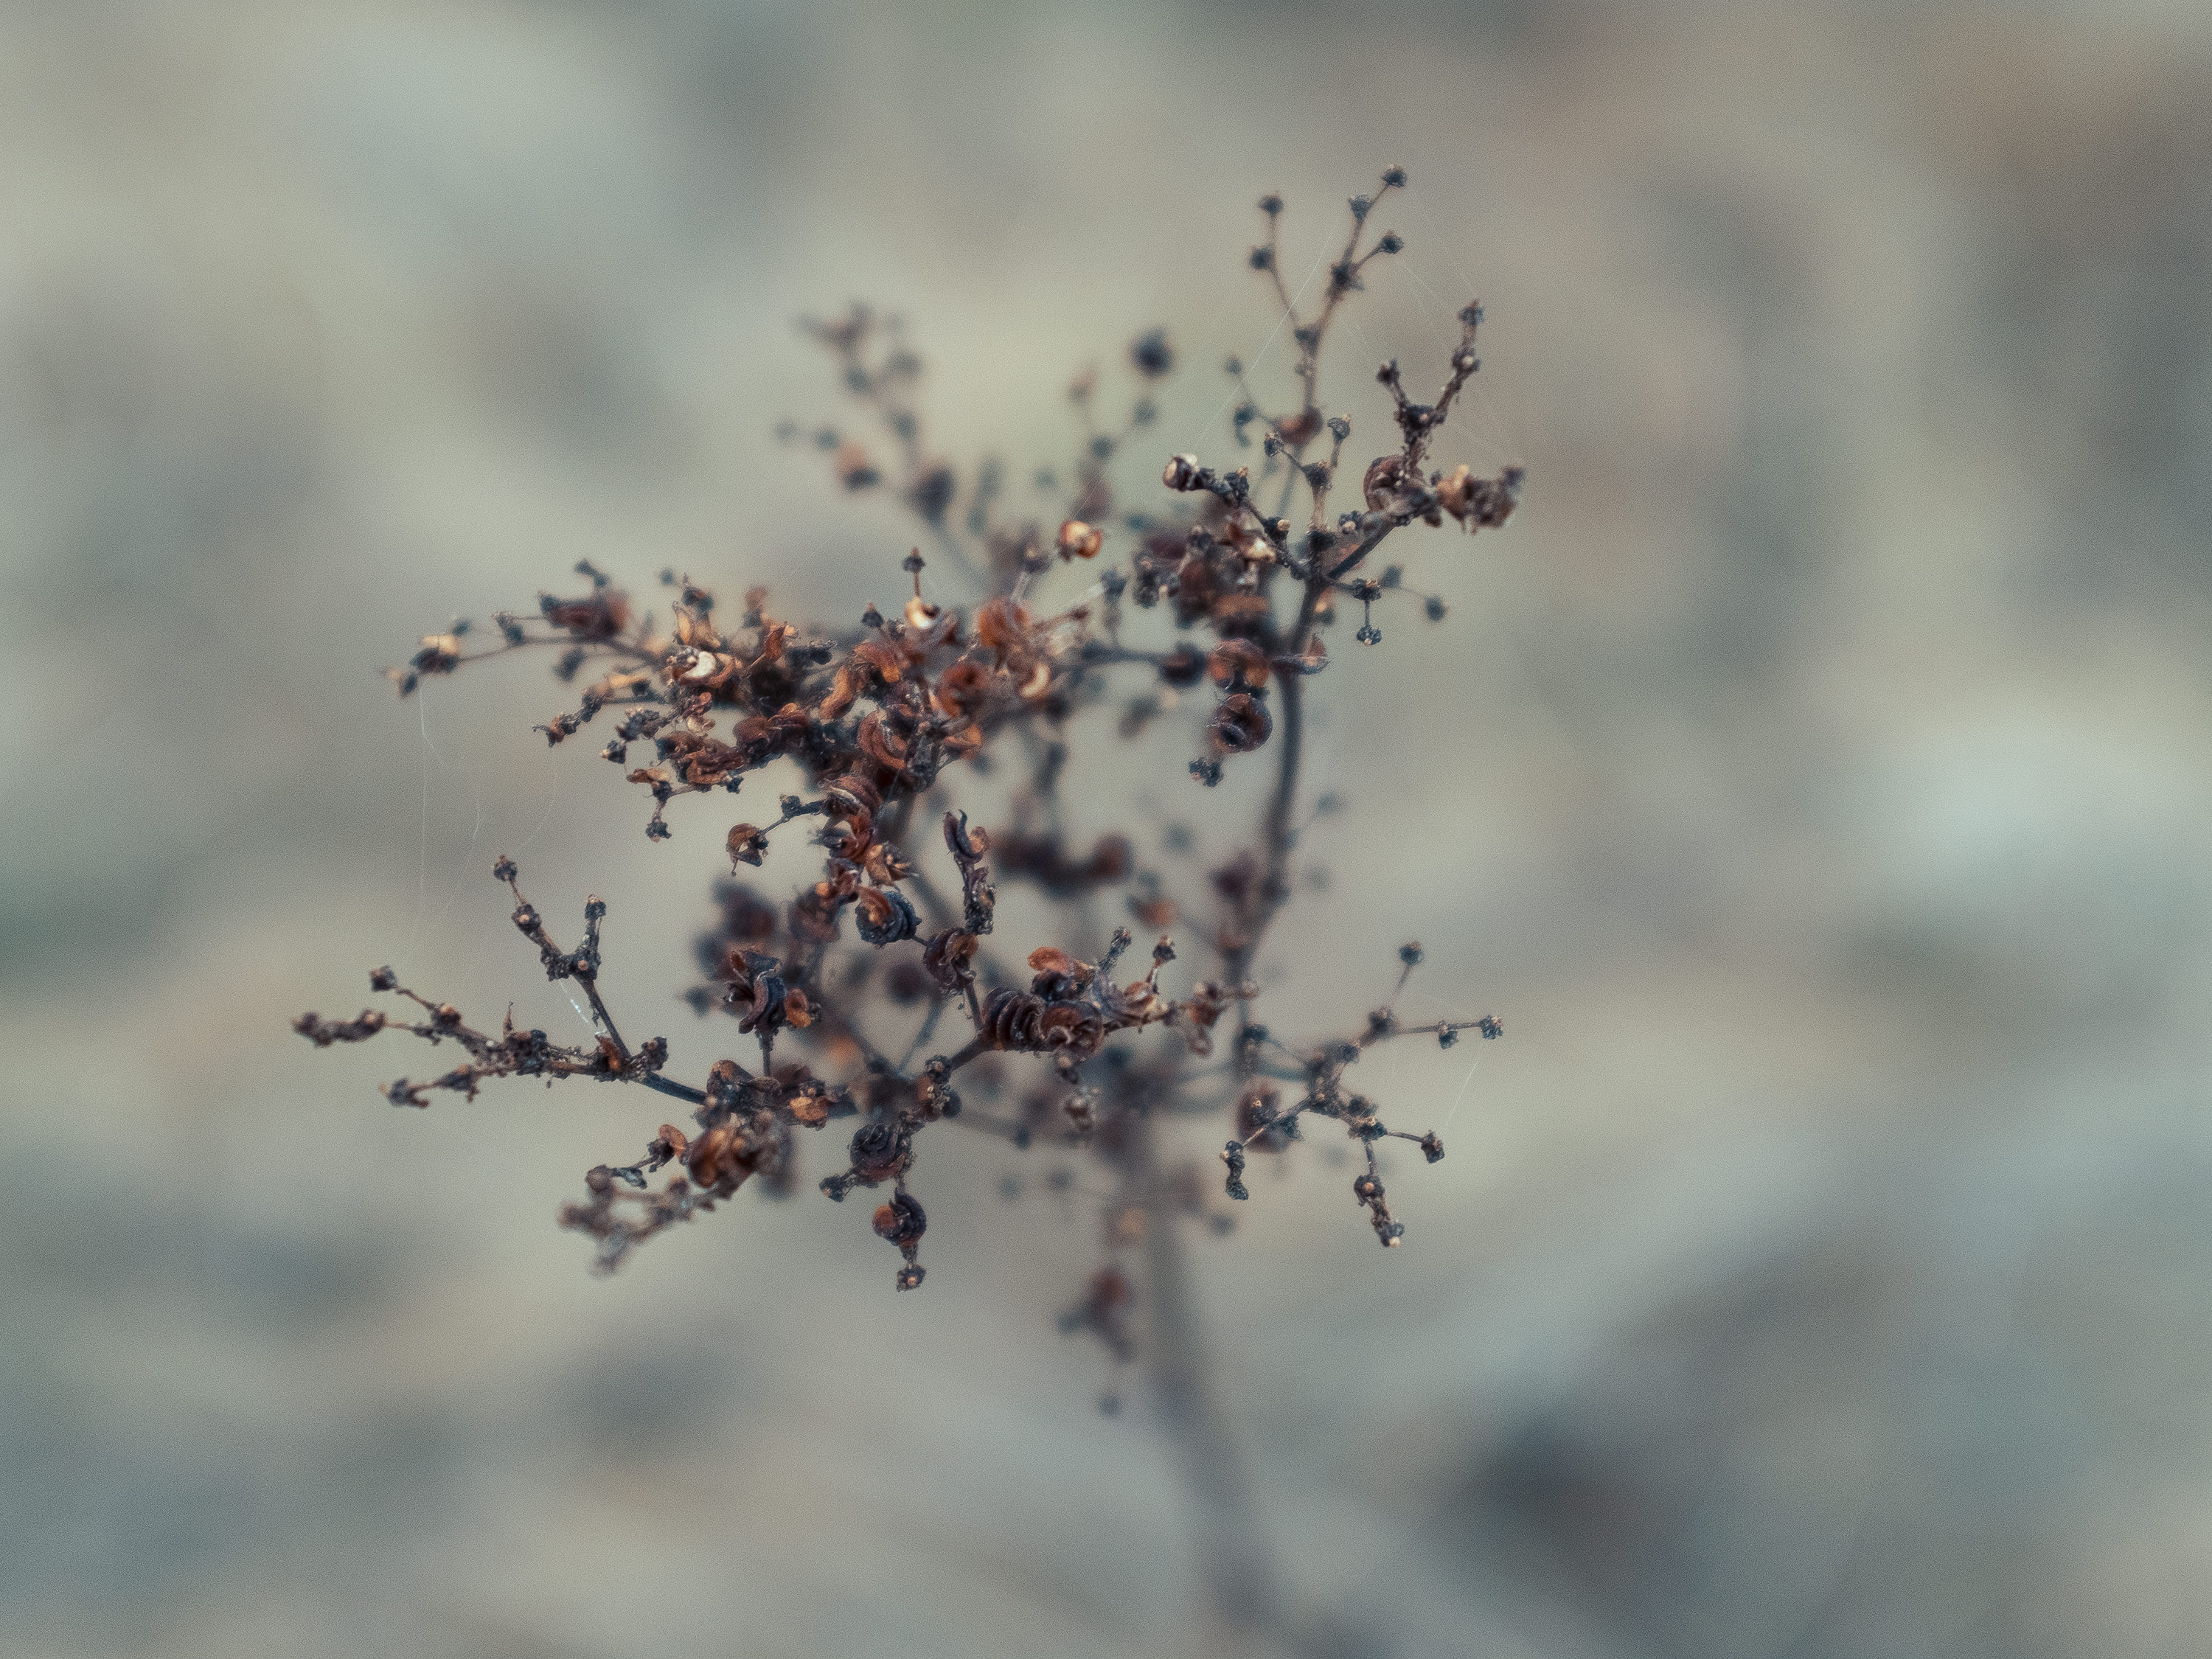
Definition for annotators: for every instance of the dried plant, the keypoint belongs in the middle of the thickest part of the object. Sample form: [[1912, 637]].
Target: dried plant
[[879, 726]]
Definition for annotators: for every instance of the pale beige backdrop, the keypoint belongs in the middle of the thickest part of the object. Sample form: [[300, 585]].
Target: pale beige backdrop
[[1815, 778]]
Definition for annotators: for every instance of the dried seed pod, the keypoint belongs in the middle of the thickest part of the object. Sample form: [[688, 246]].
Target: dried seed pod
[[1181, 472], [851, 797], [961, 690], [1079, 540], [902, 1221], [1055, 967], [713, 1154], [1241, 724], [1010, 1019], [881, 744], [881, 1151], [884, 915], [875, 658], [1385, 478], [748, 842], [1002, 624], [1239, 666], [1183, 665], [945, 958], [599, 615]]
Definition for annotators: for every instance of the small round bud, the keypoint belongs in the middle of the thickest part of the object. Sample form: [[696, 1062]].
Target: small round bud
[[1394, 177]]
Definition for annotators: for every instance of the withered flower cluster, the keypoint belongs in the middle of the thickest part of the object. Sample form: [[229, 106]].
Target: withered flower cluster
[[1064, 1044]]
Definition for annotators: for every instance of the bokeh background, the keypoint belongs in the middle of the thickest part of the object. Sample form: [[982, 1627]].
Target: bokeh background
[[1815, 777]]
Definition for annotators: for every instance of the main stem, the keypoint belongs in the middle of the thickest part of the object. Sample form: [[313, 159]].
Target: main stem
[[1240, 1580]]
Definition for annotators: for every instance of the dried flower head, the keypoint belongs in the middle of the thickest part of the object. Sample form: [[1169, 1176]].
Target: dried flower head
[[986, 662]]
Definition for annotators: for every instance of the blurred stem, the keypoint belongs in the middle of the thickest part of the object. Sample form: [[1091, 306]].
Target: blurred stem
[[1233, 1559]]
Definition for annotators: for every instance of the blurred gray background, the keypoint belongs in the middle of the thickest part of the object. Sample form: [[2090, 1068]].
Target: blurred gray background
[[1814, 777]]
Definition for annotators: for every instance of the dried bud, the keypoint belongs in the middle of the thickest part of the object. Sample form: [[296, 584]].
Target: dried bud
[[1181, 473]]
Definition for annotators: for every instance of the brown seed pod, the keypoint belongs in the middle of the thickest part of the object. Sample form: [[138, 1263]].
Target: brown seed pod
[[599, 615], [873, 657], [1065, 1028], [713, 1154], [748, 843], [1385, 478], [1010, 1019], [881, 1151], [902, 1221], [852, 796], [885, 916], [1238, 665], [1241, 724], [946, 956], [881, 744], [1002, 625], [1183, 666], [1079, 540], [961, 690]]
